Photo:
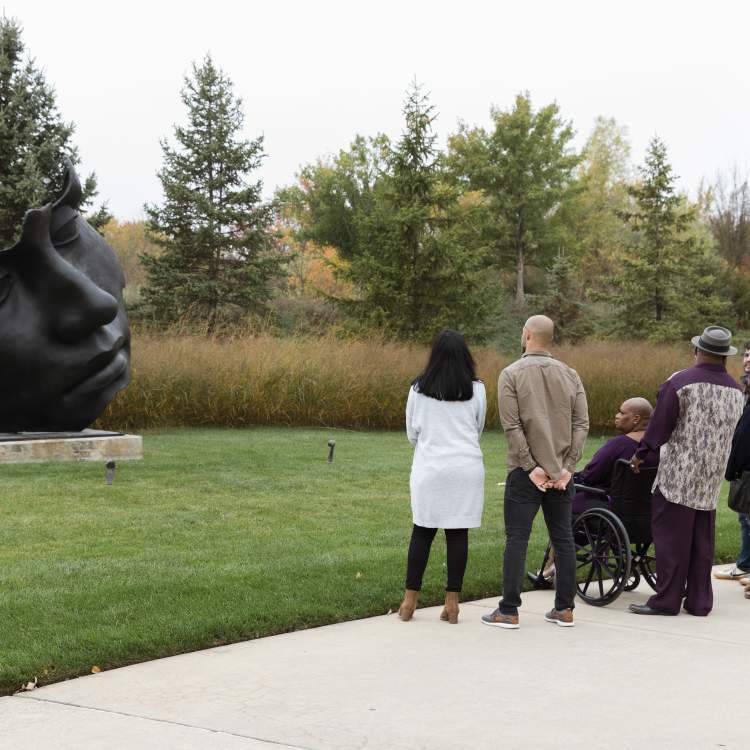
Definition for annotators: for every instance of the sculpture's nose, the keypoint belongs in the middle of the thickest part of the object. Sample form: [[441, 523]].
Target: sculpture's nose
[[74, 305], [81, 306]]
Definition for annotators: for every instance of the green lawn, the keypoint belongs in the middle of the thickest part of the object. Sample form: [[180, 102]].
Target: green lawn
[[219, 536]]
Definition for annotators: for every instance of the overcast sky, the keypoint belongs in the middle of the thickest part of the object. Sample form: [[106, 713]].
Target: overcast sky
[[314, 74]]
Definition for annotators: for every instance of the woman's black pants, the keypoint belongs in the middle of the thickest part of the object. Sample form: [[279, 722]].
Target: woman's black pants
[[457, 541]]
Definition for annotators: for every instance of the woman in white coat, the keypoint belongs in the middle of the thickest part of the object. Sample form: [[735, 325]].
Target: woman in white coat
[[445, 415]]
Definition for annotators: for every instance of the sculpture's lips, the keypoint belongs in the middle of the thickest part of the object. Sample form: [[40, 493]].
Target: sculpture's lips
[[110, 367]]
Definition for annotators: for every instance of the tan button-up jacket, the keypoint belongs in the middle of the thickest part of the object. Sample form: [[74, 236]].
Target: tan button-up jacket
[[544, 414]]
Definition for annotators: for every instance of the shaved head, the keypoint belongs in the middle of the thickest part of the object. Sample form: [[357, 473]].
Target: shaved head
[[541, 329], [633, 415], [639, 406]]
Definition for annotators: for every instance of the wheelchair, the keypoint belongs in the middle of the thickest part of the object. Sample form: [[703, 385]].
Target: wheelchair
[[612, 538]]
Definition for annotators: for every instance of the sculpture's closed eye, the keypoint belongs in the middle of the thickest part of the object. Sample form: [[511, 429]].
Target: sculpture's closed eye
[[66, 234], [6, 282]]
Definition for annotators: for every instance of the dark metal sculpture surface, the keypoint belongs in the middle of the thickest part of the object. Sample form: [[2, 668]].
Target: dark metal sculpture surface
[[64, 334]]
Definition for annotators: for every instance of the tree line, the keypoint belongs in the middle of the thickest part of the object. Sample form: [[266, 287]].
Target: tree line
[[401, 236]]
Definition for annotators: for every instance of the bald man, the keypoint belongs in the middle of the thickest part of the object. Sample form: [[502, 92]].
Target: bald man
[[631, 421], [544, 414]]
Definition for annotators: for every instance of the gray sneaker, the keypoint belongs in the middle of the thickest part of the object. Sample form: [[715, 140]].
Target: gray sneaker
[[498, 620]]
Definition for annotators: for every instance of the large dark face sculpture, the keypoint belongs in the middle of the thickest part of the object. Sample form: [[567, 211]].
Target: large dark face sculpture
[[64, 336]]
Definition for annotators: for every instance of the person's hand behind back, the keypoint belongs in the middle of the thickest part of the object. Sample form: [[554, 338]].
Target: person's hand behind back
[[540, 478], [561, 483]]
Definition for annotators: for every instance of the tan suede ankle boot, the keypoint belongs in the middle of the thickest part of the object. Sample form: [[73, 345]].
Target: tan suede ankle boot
[[450, 611], [406, 610]]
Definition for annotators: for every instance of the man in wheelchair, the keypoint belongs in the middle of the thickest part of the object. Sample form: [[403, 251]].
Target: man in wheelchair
[[631, 422]]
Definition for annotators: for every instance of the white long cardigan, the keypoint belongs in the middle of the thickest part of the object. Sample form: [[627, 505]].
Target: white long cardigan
[[447, 473]]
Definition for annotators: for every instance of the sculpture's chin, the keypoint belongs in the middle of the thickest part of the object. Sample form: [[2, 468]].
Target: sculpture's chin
[[79, 412], [66, 413]]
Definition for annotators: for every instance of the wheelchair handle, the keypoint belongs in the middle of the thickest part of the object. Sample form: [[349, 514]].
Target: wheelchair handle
[[644, 469], [592, 490]]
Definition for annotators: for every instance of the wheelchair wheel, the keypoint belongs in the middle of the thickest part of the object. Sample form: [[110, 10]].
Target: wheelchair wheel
[[646, 563], [603, 559]]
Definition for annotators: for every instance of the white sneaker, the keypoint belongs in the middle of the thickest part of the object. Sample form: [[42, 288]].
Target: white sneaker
[[732, 573]]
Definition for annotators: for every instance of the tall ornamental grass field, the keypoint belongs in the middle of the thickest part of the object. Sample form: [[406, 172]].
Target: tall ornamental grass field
[[186, 380]]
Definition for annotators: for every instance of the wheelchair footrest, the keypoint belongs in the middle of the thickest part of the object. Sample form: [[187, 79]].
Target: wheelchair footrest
[[540, 582]]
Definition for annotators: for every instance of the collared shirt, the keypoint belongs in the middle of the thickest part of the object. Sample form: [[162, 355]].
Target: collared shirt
[[691, 430], [544, 414]]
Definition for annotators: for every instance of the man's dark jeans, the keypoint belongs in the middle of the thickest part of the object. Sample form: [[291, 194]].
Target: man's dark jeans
[[743, 561], [522, 501]]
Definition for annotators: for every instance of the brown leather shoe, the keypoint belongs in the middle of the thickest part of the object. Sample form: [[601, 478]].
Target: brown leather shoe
[[561, 617], [498, 620], [450, 611], [406, 610]]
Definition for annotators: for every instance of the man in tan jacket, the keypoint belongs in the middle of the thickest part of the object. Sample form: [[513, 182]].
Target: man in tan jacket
[[544, 414]]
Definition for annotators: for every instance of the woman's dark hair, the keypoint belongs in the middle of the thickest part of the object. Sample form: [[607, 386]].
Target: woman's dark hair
[[450, 371]]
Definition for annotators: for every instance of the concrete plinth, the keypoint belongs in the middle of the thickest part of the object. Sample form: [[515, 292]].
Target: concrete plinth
[[83, 447]]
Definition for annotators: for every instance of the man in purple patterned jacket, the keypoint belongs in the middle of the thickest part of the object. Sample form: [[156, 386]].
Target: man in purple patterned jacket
[[691, 430]]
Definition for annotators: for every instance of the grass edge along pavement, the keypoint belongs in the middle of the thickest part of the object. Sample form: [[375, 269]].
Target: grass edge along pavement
[[219, 536]]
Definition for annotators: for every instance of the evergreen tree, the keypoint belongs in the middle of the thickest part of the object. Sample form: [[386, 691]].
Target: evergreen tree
[[416, 277], [669, 282], [564, 300], [401, 233], [213, 227], [33, 137], [524, 168]]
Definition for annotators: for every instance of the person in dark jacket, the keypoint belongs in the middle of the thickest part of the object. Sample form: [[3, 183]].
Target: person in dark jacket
[[739, 461], [691, 429]]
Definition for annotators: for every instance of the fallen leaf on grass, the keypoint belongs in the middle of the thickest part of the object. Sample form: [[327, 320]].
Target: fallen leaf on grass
[[359, 575], [95, 669]]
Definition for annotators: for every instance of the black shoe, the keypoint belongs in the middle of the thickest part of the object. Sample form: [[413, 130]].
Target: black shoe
[[644, 609], [540, 582]]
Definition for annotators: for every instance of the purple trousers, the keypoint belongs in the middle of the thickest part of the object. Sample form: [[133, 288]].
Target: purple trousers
[[684, 542]]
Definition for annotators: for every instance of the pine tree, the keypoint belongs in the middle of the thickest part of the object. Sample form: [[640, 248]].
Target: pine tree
[[415, 277], [402, 233], [213, 227], [33, 137], [670, 276], [564, 300]]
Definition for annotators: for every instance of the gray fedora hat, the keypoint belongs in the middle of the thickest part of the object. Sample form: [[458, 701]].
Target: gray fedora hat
[[715, 340]]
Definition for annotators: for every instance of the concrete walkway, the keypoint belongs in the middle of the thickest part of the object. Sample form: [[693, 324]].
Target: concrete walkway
[[614, 681]]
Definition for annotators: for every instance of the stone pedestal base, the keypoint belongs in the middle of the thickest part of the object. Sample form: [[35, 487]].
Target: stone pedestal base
[[82, 446]]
